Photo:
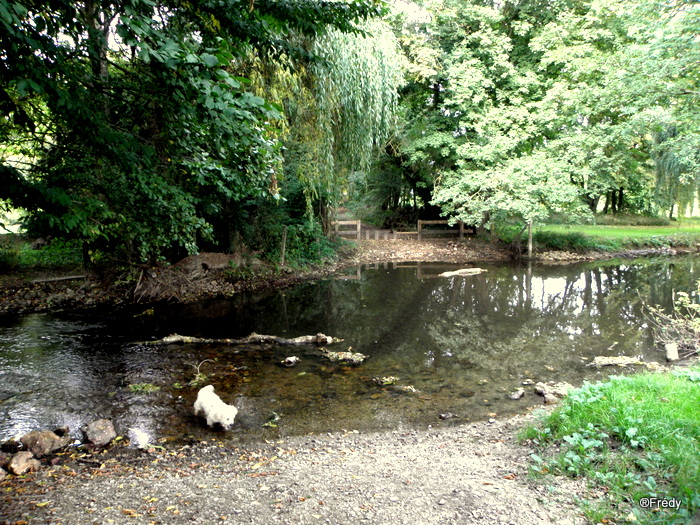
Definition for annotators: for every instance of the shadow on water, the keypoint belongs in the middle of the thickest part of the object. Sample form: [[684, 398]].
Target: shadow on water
[[462, 343]]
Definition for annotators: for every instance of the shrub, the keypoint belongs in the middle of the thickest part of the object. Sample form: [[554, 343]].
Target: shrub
[[9, 256], [569, 242]]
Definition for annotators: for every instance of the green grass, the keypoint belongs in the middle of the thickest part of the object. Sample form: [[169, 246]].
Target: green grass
[[584, 237], [623, 232], [632, 437]]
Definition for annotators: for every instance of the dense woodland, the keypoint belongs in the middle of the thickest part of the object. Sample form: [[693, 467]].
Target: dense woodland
[[150, 129]]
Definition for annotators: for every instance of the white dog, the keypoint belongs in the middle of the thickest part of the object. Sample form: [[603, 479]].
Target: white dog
[[211, 406]]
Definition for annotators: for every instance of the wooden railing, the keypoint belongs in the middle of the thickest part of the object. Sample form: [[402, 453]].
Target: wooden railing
[[357, 227], [459, 231], [355, 231]]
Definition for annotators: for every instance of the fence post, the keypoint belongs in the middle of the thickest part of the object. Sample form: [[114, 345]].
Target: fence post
[[461, 230], [284, 245], [420, 227], [358, 230]]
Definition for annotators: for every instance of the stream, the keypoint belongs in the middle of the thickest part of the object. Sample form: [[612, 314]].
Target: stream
[[456, 346]]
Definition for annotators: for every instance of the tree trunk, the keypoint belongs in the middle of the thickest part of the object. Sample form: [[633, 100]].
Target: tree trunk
[[613, 201], [620, 200], [97, 22], [436, 95]]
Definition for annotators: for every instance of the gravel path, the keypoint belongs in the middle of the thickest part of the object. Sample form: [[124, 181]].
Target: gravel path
[[461, 475]]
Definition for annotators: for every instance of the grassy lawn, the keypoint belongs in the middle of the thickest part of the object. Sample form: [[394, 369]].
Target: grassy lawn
[[623, 232], [584, 237]]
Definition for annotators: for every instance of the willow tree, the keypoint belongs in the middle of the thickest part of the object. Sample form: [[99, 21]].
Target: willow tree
[[356, 96]]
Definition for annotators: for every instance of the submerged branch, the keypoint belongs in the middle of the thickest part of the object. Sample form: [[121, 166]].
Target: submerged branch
[[318, 339]]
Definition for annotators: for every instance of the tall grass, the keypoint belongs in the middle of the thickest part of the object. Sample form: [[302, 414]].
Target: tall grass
[[634, 437]]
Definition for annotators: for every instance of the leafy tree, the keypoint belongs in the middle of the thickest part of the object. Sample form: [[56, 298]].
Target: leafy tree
[[138, 130], [599, 95]]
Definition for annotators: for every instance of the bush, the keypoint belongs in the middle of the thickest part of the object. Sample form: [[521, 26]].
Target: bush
[[58, 253], [571, 242], [306, 243]]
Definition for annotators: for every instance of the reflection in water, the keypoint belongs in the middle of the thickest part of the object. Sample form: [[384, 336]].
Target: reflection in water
[[462, 343]]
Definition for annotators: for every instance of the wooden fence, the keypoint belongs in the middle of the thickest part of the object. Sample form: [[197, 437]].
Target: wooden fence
[[353, 229]]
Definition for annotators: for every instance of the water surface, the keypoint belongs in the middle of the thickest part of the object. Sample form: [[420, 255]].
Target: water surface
[[462, 343]]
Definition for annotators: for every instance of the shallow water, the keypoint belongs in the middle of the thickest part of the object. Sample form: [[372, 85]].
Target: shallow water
[[463, 343]]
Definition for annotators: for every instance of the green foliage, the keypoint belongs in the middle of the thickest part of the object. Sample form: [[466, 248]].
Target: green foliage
[[16, 253], [570, 242], [57, 253], [9, 255], [151, 143], [635, 436], [525, 110], [306, 244]]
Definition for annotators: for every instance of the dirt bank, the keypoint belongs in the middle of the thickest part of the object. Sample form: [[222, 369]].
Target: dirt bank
[[208, 275], [462, 475]]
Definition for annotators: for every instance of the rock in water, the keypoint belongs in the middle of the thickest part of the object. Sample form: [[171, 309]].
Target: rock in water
[[43, 442], [290, 361], [99, 433], [517, 394], [353, 358]]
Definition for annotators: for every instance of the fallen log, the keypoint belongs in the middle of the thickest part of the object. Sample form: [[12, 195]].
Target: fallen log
[[318, 339]]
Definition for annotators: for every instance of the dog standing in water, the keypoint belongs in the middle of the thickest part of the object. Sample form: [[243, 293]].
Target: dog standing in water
[[215, 411]]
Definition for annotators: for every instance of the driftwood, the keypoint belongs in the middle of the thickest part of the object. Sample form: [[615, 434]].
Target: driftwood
[[318, 339], [463, 271]]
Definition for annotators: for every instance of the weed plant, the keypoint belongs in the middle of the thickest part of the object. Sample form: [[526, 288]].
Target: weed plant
[[632, 437]]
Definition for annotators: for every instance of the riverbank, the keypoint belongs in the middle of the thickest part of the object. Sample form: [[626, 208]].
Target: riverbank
[[476, 473], [210, 274]]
